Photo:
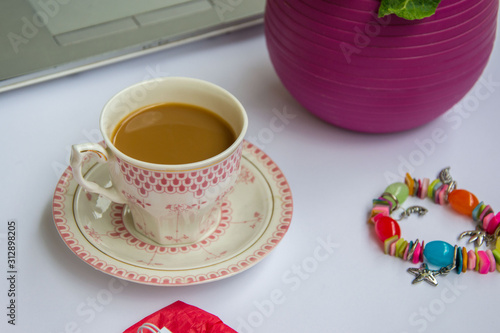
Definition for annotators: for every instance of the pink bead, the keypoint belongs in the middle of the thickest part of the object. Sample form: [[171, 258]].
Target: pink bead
[[405, 255], [392, 251], [384, 210], [487, 220], [484, 262], [442, 193], [377, 212], [425, 186], [483, 213], [422, 252], [439, 195], [472, 260], [492, 260], [416, 254], [493, 224], [436, 194]]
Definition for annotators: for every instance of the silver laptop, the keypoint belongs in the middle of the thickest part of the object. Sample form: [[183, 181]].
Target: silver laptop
[[45, 39]]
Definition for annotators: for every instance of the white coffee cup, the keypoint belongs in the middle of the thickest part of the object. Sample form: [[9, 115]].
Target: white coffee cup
[[170, 204]]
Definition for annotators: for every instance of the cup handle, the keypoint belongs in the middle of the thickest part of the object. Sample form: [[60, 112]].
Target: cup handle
[[78, 153]]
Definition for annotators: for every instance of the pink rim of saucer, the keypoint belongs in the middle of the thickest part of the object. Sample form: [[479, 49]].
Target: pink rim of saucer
[[415, 43], [373, 70], [236, 264], [322, 23]]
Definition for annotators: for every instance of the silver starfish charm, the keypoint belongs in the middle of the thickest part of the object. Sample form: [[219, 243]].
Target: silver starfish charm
[[424, 274], [428, 275], [479, 236]]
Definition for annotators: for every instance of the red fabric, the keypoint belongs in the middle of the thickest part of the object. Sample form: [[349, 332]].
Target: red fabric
[[180, 317]]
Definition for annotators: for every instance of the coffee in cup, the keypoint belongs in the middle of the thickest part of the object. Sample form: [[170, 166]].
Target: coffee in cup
[[172, 133]]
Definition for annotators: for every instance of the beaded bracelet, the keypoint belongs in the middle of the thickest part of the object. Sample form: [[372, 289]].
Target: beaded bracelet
[[442, 190]]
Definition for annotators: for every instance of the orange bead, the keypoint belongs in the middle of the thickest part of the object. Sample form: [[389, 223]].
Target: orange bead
[[465, 258], [463, 201], [410, 183]]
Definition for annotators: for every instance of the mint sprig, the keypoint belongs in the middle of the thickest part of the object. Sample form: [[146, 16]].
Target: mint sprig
[[408, 9]]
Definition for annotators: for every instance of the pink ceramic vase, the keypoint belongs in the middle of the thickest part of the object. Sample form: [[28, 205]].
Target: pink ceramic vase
[[378, 75]]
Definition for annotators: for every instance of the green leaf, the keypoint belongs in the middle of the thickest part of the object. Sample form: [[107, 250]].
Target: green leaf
[[408, 9]]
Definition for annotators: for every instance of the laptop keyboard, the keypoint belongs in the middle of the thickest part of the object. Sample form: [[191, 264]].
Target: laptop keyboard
[[165, 14], [82, 20]]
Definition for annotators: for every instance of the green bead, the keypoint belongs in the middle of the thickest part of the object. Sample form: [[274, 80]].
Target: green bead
[[430, 189], [399, 190], [496, 254], [400, 251]]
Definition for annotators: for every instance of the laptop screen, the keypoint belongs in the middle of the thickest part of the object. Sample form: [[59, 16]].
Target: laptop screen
[[45, 39]]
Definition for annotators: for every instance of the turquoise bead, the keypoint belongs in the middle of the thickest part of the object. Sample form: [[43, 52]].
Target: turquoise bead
[[459, 261], [399, 190], [439, 253], [476, 211]]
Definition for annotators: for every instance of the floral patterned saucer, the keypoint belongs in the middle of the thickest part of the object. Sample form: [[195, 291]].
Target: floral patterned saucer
[[254, 218]]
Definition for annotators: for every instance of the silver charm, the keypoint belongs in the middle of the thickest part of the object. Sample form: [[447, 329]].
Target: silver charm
[[394, 198], [412, 250], [495, 235], [428, 275], [479, 236], [445, 178], [424, 274], [419, 210]]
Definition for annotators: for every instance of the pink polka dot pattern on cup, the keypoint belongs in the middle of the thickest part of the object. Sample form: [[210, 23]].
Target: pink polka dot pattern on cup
[[196, 181]]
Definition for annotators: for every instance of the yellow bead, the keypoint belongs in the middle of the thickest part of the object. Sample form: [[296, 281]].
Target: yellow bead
[[388, 242], [477, 260], [410, 183], [400, 246], [431, 186], [402, 249]]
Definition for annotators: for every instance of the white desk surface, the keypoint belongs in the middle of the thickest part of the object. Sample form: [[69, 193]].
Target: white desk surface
[[333, 173]]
